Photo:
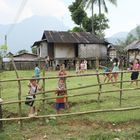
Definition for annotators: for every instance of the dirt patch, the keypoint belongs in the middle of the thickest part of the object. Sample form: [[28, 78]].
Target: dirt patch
[[83, 124], [101, 124]]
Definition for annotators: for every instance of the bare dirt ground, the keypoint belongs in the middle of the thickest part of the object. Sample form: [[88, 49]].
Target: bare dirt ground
[[75, 123]]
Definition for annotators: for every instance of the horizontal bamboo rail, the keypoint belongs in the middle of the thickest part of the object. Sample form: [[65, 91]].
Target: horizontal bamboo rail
[[69, 76], [72, 114], [90, 93], [82, 87]]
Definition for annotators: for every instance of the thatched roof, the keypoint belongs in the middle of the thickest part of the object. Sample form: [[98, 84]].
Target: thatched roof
[[70, 37], [135, 45]]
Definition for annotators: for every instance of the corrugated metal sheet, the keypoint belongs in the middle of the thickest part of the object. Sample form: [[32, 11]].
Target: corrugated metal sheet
[[71, 37], [135, 45]]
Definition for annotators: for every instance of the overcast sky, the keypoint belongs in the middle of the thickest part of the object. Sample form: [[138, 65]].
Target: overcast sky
[[124, 17]]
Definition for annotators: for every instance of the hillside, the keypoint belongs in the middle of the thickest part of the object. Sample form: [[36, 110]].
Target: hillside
[[26, 32], [121, 36]]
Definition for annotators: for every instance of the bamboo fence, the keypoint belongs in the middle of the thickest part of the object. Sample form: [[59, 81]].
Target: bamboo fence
[[44, 98]]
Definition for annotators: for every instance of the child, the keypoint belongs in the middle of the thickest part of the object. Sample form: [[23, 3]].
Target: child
[[82, 67], [37, 72], [77, 67], [107, 75], [115, 69], [47, 63], [60, 102], [135, 73], [85, 65], [33, 87], [62, 73]]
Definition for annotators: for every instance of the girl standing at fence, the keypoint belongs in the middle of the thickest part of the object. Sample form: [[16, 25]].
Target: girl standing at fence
[[62, 76], [115, 70], [62, 73], [60, 101], [135, 73], [33, 87]]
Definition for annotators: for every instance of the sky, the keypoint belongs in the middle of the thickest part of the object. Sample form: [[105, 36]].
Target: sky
[[122, 18]]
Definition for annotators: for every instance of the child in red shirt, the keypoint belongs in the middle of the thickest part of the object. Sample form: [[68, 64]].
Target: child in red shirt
[[60, 102]]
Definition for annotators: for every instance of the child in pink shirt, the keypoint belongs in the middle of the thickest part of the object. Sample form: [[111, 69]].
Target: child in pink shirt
[[135, 72]]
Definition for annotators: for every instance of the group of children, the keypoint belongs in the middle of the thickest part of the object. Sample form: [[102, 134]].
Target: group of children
[[81, 67], [61, 99], [110, 74]]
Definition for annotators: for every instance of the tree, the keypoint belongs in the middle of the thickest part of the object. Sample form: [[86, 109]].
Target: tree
[[76, 29], [77, 12], [34, 50], [3, 51], [90, 3], [138, 32], [22, 51], [87, 24]]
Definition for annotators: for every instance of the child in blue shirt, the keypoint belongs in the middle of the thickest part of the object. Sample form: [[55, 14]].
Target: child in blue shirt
[[37, 71]]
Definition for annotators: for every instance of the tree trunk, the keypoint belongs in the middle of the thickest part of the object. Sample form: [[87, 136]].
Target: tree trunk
[[1, 124], [99, 17], [92, 26]]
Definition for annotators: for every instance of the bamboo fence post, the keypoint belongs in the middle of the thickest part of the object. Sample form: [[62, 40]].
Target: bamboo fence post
[[121, 86], [19, 93], [1, 123], [98, 79], [43, 95], [100, 86]]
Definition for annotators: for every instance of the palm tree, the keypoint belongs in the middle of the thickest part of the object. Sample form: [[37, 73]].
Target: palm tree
[[103, 3], [89, 3], [100, 3]]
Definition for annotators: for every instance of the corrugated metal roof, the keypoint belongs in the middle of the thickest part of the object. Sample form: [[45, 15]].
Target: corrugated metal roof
[[30, 54], [135, 45], [71, 37]]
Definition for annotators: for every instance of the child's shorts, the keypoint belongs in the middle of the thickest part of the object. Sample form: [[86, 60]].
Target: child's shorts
[[60, 106]]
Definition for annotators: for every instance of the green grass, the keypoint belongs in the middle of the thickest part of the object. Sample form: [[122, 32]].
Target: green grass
[[90, 127]]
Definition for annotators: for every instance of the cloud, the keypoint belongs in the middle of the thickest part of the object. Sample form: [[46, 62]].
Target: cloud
[[8, 10], [55, 8]]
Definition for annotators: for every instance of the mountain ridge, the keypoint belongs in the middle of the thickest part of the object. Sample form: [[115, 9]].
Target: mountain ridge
[[25, 33]]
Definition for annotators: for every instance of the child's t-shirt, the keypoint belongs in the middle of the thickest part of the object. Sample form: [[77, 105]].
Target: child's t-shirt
[[106, 69], [60, 100], [33, 89], [115, 67], [135, 66], [37, 72]]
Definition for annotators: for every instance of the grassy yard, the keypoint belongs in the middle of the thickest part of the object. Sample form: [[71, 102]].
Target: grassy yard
[[100, 126]]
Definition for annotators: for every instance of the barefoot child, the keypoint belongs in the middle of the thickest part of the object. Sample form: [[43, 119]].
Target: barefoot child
[[33, 87]]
